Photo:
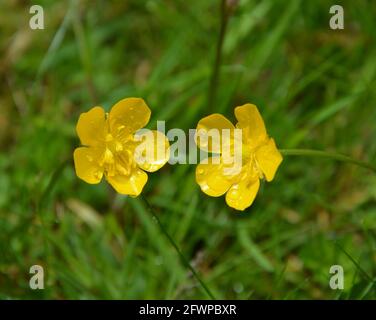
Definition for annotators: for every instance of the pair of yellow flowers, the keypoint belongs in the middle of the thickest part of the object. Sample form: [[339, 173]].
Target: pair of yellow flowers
[[109, 147]]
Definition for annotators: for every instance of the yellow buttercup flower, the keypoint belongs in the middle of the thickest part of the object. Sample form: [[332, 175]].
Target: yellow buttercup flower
[[260, 158], [110, 146]]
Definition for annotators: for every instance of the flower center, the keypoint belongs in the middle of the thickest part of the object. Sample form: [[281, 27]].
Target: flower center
[[117, 158]]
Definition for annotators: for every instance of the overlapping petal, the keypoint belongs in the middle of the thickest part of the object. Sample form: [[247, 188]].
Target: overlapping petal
[[242, 194], [127, 116], [129, 184], [250, 120], [153, 152], [91, 127], [212, 178], [86, 161], [269, 158], [211, 130]]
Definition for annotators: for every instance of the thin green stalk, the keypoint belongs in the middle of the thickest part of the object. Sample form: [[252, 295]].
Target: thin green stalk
[[173, 243], [218, 56], [327, 154], [372, 281], [43, 200], [85, 54], [364, 273], [56, 41], [51, 184]]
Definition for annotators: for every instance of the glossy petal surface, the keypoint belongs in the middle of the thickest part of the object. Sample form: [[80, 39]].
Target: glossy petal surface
[[86, 162], [91, 127], [211, 178], [250, 120], [127, 116], [129, 185], [152, 153], [210, 133], [241, 195], [268, 158]]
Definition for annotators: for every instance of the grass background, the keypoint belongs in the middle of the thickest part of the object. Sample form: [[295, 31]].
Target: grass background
[[314, 86]]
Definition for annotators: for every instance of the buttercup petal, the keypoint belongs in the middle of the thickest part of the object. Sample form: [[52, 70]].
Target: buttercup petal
[[130, 185], [210, 128], [86, 162], [250, 120], [212, 179], [241, 195], [127, 116], [269, 158], [153, 152], [91, 127]]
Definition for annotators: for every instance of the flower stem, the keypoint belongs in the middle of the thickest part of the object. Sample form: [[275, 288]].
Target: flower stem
[[173, 243], [327, 154], [218, 57]]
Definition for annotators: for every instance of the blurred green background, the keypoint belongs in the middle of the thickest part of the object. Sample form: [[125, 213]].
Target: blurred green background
[[314, 86]]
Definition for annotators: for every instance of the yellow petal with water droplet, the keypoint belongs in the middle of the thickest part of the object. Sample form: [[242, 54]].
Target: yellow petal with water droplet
[[241, 195], [86, 162], [214, 131], [129, 185], [127, 116], [250, 120], [91, 127], [211, 177], [153, 152], [268, 159]]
